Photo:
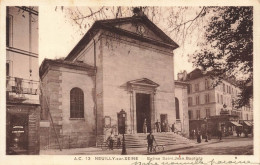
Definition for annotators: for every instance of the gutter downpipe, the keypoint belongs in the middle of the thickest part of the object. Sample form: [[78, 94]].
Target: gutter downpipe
[[95, 88]]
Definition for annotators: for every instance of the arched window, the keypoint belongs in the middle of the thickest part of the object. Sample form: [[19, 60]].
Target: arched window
[[76, 103], [177, 108]]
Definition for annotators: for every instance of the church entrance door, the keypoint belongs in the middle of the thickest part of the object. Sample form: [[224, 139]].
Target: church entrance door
[[143, 111]]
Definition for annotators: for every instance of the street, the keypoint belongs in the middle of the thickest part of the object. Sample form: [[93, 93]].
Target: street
[[228, 146]]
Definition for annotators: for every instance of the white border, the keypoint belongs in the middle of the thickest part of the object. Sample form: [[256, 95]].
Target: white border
[[41, 159]]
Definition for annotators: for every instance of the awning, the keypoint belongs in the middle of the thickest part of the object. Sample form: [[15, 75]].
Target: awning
[[235, 123], [248, 123]]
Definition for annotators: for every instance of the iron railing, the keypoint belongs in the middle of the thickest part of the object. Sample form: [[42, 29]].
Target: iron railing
[[22, 86]]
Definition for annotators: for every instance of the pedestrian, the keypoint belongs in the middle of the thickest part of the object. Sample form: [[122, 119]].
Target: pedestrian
[[237, 131], [111, 141], [193, 133], [150, 139], [220, 135], [206, 137], [118, 142], [173, 127], [198, 136], [145, 126], [158, 126], [163, 126]]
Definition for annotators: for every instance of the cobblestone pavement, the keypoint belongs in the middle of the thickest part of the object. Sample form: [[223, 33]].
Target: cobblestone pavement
[[228, 146]]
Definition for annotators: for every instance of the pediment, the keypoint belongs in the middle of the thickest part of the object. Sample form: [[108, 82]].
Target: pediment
[[139, 29], [140, 26], [143, 82]]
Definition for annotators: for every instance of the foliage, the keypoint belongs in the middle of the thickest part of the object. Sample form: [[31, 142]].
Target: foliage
[[228, 50], [177, 22]]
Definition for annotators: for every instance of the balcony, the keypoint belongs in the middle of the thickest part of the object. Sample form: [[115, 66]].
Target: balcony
[[22, 90]]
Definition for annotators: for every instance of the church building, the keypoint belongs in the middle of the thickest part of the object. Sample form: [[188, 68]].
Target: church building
[[119, 75]]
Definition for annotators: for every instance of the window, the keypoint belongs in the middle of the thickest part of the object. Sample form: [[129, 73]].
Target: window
[[197, 100], [190, 101], [221, 99], [7, 69], [206, 84], [198, 114], [177, 108], [224, 88], [206, 98], [76, 103], [189, 88], [218, 97], [196, 87], [207, 112], [232, 91], [9, 29], [227, 88], [190, 114]]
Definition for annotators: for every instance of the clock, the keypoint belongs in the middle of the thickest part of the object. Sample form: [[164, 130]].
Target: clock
[[140, 29]]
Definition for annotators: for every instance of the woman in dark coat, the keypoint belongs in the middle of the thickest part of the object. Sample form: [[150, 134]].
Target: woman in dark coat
[[198, 137]]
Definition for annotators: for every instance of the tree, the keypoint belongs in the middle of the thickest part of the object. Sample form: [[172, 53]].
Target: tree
[[177, 22], [228, 50]]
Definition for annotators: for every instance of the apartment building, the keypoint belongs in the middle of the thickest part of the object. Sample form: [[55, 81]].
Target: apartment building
[[206, 99], [22, 80]]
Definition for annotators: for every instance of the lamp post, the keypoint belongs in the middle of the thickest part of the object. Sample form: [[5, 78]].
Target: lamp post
[[123, 131]]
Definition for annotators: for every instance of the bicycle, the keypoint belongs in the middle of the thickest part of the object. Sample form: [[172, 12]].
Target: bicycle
[[105, 145], [157, 148]]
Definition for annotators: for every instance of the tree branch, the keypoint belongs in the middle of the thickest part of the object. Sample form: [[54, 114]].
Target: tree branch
[[183, 24], [90, 15]]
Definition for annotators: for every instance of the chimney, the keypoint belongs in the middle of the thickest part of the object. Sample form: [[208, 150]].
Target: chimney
[[180, 76], [184, 75], [138, 12]]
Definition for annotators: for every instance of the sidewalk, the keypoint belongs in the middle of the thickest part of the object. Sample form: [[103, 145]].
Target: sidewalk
[[130, 151]]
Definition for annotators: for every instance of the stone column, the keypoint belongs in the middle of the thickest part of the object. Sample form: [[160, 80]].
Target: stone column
[[134, 111]]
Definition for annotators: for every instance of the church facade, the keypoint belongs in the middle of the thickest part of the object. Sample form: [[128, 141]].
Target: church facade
[[119, 75]]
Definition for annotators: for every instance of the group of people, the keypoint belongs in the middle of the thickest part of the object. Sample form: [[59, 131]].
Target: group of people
[[198, 135], [110, 140], [159, 127]]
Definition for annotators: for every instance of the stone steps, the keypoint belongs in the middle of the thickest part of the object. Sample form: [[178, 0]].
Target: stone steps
[[139, 140]]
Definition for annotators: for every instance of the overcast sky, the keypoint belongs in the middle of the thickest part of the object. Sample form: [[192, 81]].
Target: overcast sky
[[58, 35]]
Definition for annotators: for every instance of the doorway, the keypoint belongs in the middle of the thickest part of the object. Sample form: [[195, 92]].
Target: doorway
[[164, 122], [17, 133], [143, 111]]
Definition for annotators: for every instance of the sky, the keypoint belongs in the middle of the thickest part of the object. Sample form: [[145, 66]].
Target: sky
[[58, 35]]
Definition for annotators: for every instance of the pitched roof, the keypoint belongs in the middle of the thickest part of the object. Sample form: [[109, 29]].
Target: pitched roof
[[198, 73], [110, 25]]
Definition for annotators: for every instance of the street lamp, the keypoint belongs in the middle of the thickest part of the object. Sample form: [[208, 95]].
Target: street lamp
[[123, 115]]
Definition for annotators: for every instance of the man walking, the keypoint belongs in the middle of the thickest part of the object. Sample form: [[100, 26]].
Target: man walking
[[150, 140], [158, 126], [111, 141]]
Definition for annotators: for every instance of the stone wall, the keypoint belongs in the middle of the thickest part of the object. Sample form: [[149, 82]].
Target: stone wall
[[72, 133], [125, 60], [181, 94], [80, 132]]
